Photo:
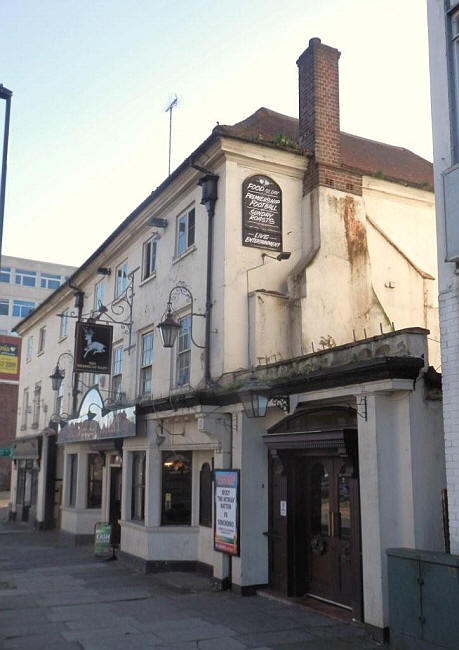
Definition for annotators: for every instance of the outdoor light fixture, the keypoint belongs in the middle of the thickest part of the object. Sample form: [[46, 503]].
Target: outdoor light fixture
[[57, 377], [103, 411], [283, 255], [59, 373], [169, 327], [209, 197], [254, 396]]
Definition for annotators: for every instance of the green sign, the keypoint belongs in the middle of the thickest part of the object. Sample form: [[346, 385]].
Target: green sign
[[5, 451], [102, 539]]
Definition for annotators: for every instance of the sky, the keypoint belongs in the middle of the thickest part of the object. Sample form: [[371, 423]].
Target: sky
[[92, 78]]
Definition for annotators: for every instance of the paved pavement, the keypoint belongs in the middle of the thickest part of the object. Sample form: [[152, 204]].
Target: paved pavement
[[54, 596]]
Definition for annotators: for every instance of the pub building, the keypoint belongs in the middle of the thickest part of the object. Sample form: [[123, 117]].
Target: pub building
[[267, 411]]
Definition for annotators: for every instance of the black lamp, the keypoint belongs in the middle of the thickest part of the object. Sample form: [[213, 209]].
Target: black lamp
[[169, 328], [254, 396], [208, 184], [57, 377]]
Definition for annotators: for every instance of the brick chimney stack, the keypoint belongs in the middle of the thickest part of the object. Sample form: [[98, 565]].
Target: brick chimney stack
[[319, 102]]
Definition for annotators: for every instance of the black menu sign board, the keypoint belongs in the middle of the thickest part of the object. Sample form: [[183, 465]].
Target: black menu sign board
[[262, 213]]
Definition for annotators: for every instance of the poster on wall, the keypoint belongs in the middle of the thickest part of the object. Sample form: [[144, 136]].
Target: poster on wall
[[93, 348], [262, 213], [10, 350], [226, 500]]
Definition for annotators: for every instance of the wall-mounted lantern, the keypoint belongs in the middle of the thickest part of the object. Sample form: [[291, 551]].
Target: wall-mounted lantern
[[254, 396]]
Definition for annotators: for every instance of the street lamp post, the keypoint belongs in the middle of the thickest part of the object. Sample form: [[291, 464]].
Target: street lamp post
[[6, 95]]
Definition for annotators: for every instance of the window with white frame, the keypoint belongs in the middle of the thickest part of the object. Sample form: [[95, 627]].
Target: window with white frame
[[121, 279], [99, 295], [50, 281], [149, 258], [454, 78], [72, 460], [21, 308], [59, 398], [138, 486], [64, 327], [117, 371], [5, 274], [25, 277], [146, 359], [183, 363], [25, 408], [41, 339], [4, 307], [29, 351], [95, 467], [185, 232], [36, 406]]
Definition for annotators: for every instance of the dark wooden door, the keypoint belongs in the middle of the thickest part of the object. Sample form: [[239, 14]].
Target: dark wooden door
[[277, 532], [115, 503], [325, 501]]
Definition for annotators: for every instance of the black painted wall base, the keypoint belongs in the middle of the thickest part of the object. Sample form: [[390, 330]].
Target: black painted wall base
[[246, 590], [157, 566], [378, 634]]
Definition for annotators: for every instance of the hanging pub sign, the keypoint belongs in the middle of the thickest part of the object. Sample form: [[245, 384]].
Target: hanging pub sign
[[93, 348], [226, 499], [261, 213]]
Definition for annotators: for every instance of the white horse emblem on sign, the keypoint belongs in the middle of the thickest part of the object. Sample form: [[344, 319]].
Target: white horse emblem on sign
[[92, 347]]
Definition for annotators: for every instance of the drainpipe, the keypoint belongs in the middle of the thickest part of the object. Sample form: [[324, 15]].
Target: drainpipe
[[208, 184], [79, 301]]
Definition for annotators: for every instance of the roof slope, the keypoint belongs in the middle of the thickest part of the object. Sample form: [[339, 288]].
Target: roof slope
[[367, 156]]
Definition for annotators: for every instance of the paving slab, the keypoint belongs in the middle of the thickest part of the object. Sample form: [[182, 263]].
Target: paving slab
[[54, 596]]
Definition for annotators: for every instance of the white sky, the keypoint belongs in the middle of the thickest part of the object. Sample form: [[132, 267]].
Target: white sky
[[91, 79]]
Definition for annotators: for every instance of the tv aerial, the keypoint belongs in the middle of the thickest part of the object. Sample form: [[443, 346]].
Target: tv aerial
[[173, 101]]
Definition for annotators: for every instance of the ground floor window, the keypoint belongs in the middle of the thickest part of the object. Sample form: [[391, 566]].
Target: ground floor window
[[95, 466], [72, 473], [138, 486], [176, 488]]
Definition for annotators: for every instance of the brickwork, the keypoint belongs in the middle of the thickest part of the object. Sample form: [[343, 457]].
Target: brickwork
[[449, 332], [319, 128], [8, 416]]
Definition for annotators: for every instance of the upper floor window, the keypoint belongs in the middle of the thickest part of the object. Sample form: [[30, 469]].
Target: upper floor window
[[25, 408], [145, 363], [50, 281], [41, 339], [36, 405], [4, 307], [185, 232], [22, 308], [29, 347], [117, 371], [183, 352], [121, 279], [149, 258], [25, 278], [454, 81], [60, 398], [64, 327], [99, 295], [5, 274]]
